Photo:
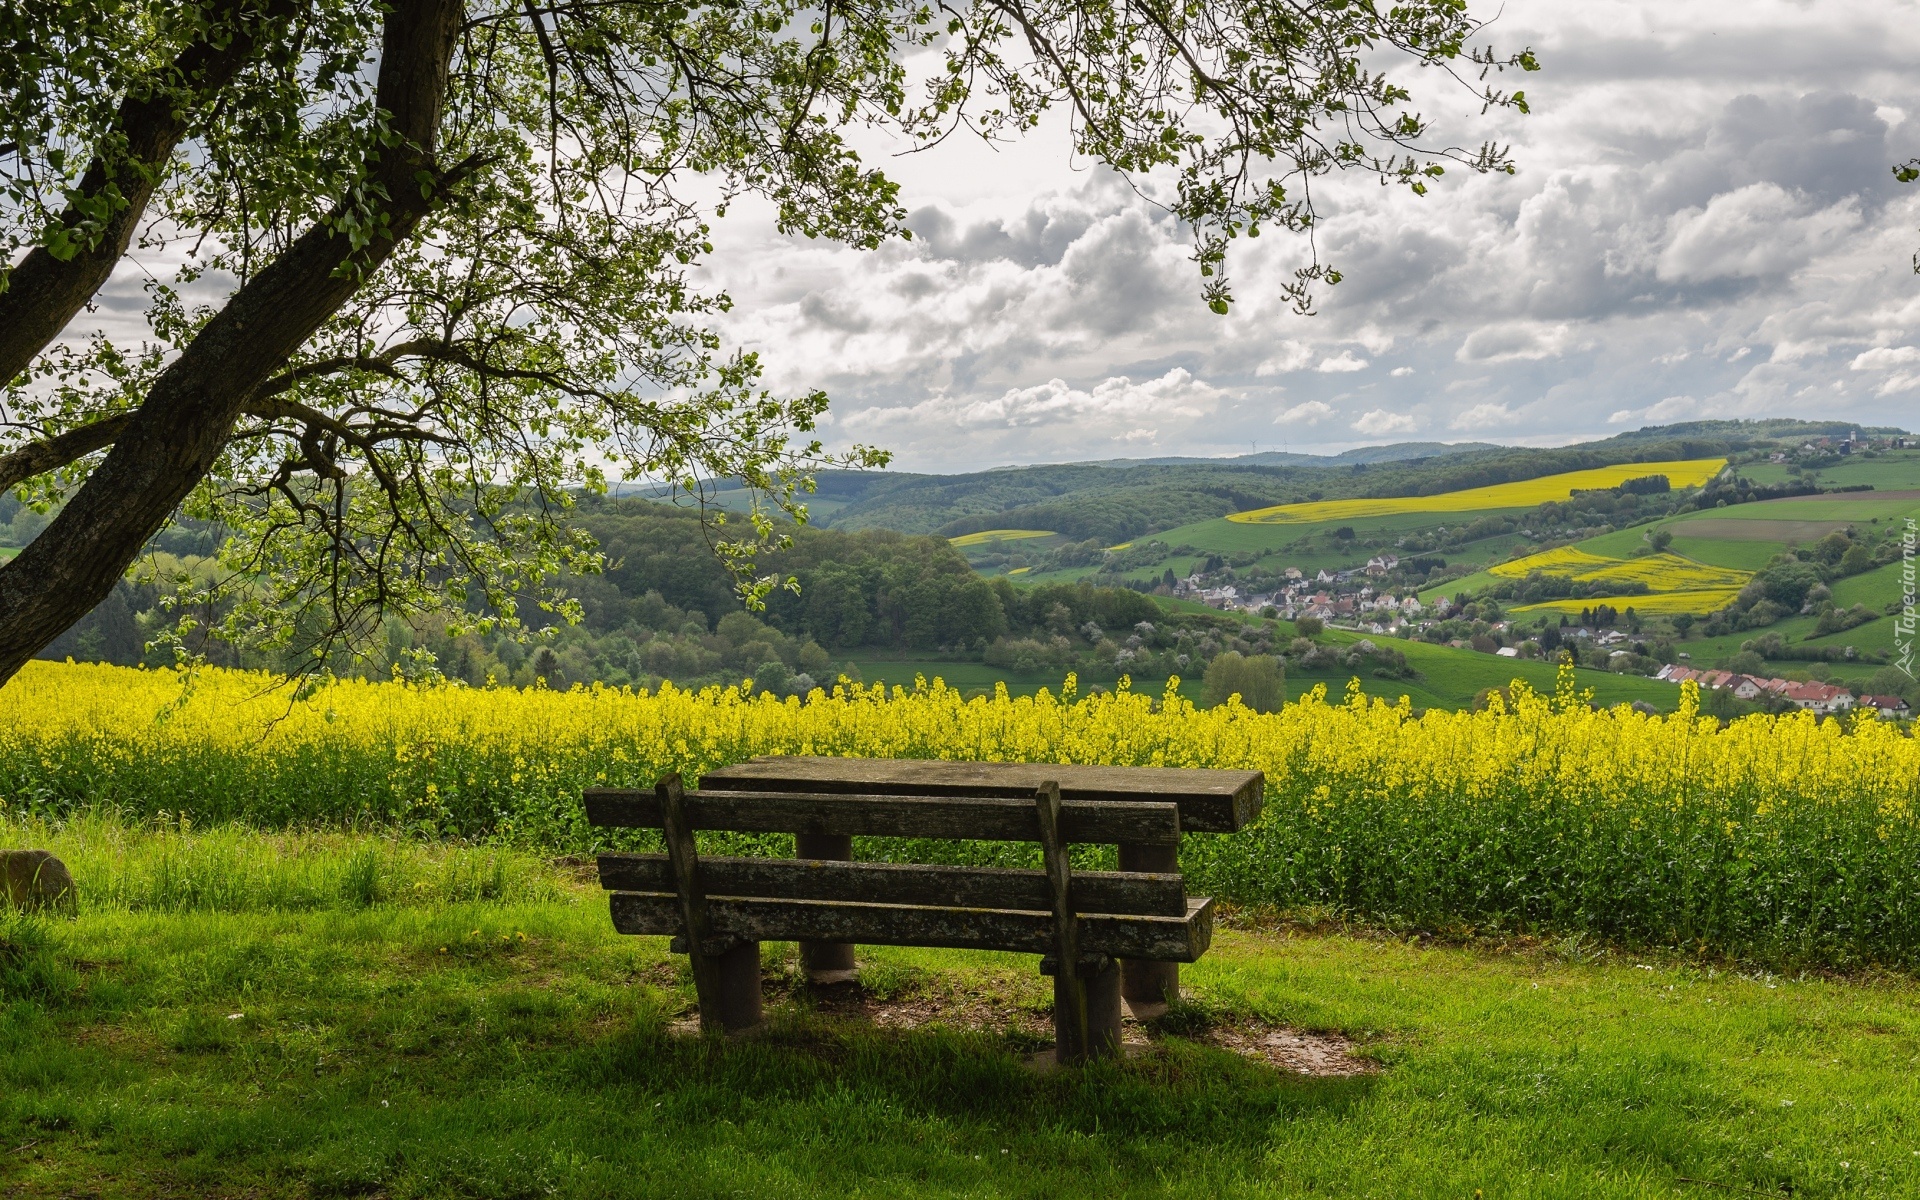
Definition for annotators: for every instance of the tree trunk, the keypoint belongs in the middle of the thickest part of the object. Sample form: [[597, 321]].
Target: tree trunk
[[180, 429], [43, 292]]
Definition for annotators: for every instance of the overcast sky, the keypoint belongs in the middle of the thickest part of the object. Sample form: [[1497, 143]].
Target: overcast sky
[[1704, 225]]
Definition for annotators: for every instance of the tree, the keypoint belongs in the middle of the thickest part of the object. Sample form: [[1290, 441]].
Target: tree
[[1259, 680], [454, 239]]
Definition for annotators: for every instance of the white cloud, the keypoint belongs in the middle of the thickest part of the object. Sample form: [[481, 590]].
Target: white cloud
[[1311, 413], [1177, 393], [1056, 402], [1401, 372], [1288, 356], [1673, 408], [1513, 341], [1379, 422], [1885, 356], [1753, 232], [1343, 362], [1483, 416]]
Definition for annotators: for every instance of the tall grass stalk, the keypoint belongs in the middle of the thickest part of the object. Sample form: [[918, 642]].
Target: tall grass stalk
[[171, 866]]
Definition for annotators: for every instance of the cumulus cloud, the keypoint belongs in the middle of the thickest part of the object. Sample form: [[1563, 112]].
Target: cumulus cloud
[[1287, 356], [1482, 416], [1379, 422], [1310, 413], [1341, 363], [1754, 232], [1176, 394], [1511, 341], [1672, 408], [1881, 357]]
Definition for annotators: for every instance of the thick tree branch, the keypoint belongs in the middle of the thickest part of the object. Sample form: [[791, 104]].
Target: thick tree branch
[[44, 292], [50, 454]]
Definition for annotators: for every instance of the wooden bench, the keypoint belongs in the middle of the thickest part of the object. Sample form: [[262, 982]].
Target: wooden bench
[[1123, 932]]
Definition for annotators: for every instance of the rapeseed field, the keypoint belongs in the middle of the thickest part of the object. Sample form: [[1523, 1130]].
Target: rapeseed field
[[1787, 838], [1664, 603], [1660, 572], [1675, 584], [1523, 494], [989, 536]]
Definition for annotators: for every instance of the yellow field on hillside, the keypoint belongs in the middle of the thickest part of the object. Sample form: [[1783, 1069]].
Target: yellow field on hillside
[[1703, 601], [1660, 572], [987, 537], [1524, 494]]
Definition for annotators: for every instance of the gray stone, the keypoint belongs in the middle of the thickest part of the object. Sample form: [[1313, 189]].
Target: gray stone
[[36, 879]]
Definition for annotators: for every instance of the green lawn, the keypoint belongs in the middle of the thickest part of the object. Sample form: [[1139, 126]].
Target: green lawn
[[388, 1039]]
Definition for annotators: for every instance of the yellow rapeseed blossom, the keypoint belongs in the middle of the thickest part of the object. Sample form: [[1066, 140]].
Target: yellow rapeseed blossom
[[1788, 832], [1525, 493]]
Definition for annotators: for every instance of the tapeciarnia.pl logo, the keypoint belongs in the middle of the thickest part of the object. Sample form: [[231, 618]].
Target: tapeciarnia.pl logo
[[1903, 625]]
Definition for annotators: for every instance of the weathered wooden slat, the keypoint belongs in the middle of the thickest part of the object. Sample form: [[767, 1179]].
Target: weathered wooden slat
[[706, 951], [1211, 801], [1171, 939], [981, 818], [1140, 894]]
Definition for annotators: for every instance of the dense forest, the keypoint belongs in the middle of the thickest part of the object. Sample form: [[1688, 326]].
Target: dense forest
[[664, 608]]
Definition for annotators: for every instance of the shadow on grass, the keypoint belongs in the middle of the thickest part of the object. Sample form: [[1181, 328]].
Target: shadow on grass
[[1175, 1089]]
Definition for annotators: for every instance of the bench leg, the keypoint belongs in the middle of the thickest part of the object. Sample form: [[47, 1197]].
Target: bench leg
[[826, 962], [1103, 1017], [739, 987], [1149, 986]]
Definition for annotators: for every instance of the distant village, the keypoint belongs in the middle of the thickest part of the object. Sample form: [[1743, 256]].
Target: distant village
[[1333, 598], [1811, 695]]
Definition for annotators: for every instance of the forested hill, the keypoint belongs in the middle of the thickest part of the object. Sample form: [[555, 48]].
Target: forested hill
[[1118, 501]]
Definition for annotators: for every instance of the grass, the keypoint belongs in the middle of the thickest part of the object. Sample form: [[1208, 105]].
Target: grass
[[1849, 506], [1721, 552], [517, 1047]]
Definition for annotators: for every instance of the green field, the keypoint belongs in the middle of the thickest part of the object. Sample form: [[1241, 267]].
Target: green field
[[1891, 470], [1875, 589], [324, 1028], [1718, 552], [1743, 537], [1450, 677]]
